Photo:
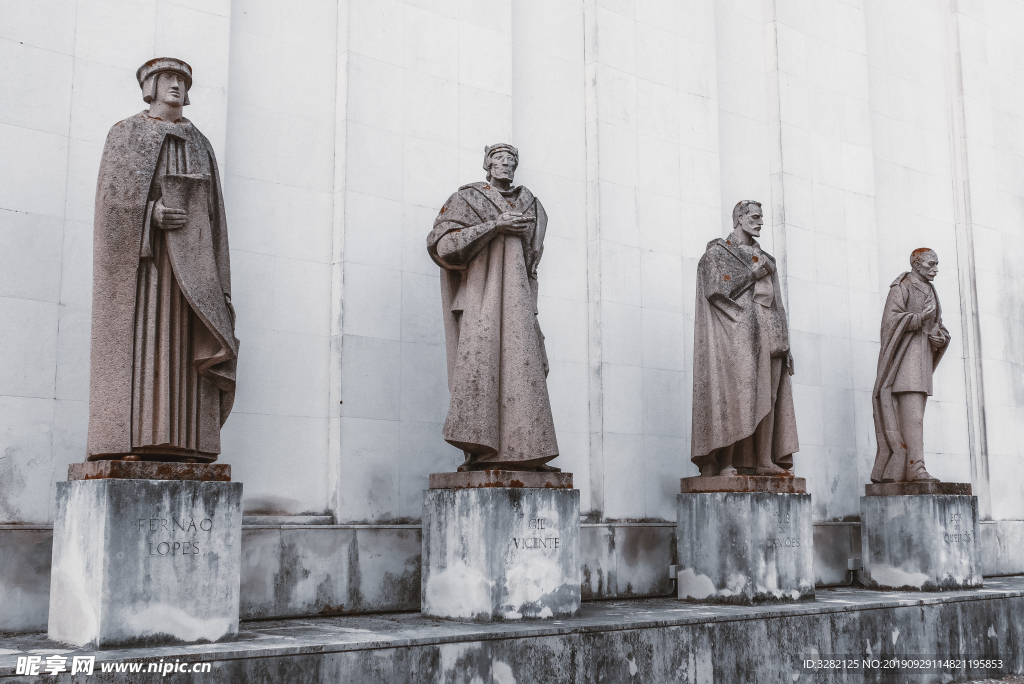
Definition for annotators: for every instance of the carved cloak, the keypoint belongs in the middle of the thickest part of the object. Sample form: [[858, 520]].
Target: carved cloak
[[904, 355], [733, 346], [500, 411], [200, 261]]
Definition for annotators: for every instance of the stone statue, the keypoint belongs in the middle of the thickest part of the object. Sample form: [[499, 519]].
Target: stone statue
[[913, 342], [162, 376], [743, 419], [488, 240]]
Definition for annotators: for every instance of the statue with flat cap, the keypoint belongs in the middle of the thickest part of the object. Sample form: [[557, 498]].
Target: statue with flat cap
[[488, 240], [913, 342], [743, 418], [162, 375]]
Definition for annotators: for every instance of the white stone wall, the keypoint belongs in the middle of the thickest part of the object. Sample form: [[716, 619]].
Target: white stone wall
[[911, 98], [279, 189], [992, 55], [824, 197], [866, 127]]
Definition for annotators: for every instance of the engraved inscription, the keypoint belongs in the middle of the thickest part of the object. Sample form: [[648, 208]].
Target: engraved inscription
[[784, 542], [532, 543], [956, 536], [782, 523], [168, 527]]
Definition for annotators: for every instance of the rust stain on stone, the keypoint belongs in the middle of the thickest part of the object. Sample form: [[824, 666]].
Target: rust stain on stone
[[333, 610], [726, 277], [149, 470]]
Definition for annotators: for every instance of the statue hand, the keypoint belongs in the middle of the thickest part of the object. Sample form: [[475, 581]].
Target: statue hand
[[938, 340], [790, 367], [765, 269], [514, 223], [168, 219]]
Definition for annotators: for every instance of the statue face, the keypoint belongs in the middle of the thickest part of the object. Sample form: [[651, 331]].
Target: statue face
[[503, 166], [927, 266], [170, 89], [751, 222]]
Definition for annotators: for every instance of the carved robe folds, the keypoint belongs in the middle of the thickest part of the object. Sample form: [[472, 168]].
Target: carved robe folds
[[162, 378], [499, 414], [742, 396]]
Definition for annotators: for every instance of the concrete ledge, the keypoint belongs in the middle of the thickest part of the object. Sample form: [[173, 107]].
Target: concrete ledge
[[25, 554], [835, 543], [1002, 547], [627, 560], [653, 640], [329, 569], [289, 520], [618, 560]]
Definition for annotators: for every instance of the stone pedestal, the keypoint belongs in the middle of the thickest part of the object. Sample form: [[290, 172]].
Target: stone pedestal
[[501, 545], [748, 545], [145, 561], [918, 541]]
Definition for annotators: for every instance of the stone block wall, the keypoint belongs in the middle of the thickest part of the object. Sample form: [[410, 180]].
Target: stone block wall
[[866, 128]]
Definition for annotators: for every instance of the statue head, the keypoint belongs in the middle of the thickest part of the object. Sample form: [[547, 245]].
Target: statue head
[[500, 162], [165, 80], [746, 216], [925, 263]]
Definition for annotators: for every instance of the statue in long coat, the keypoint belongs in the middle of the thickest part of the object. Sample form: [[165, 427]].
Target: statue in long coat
[[162, 374], [488, 240], [913, 341], [743, 418]]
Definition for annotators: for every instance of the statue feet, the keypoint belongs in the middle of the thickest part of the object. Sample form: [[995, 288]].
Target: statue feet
[[772, 470], [728, 471], [917, 473]]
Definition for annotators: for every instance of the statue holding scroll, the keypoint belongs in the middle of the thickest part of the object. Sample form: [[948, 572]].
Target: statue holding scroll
[[488, 240], [162, 376]]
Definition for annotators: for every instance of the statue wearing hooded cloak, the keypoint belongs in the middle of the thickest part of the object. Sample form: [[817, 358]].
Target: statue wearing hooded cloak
[[162, 375], [500, 413]]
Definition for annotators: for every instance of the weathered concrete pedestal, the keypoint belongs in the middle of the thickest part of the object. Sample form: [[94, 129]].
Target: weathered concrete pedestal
[[501, 545], [748, 544], [920, 536], [142, 557]]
